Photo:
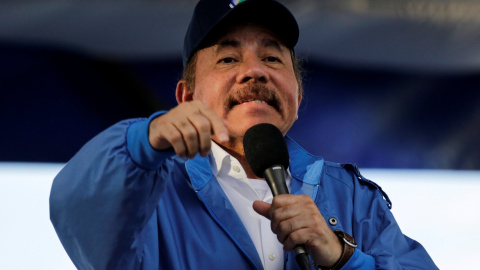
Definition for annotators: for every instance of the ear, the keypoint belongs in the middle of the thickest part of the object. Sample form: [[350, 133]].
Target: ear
[[183, 94]]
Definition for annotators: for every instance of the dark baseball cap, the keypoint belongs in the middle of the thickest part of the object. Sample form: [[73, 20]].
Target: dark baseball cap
[[212, 17]]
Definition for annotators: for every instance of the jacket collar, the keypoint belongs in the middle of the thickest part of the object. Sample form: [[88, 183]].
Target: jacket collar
[[304, 165]]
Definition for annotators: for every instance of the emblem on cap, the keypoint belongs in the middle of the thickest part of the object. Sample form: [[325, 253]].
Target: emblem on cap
[[234, 3]]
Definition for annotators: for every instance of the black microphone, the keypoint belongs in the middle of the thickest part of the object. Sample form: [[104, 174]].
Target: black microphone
[[267, 155]]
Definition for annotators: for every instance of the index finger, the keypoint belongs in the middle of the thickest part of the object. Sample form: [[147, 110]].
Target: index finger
[[218, 126]]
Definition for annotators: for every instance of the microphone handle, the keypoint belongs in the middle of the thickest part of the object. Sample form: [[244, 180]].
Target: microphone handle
[[275, 177]]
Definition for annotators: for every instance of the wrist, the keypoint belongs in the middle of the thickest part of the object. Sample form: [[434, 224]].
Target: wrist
[[155, 138], [348, 248]]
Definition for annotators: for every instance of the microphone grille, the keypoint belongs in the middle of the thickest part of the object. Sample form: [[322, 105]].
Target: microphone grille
[[264, 147]]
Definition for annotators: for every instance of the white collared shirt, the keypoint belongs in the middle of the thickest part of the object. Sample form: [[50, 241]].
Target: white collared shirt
[[242, 192]]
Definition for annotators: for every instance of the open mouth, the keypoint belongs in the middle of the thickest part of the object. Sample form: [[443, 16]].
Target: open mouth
[[259, 100], [252, 100]]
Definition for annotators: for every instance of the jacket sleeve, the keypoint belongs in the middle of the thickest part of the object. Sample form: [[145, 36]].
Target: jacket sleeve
[[106, 193], [378, 234]]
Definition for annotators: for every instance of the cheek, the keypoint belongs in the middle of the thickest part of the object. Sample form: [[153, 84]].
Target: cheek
[[210, 97], [294, 97], [204, 89], [199, 95]]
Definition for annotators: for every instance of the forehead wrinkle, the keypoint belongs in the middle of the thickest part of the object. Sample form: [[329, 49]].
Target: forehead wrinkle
[[227, 43], [271, 43], [234, 43]]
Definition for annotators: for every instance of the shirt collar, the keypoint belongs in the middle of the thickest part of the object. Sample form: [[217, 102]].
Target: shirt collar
[[220, 160]]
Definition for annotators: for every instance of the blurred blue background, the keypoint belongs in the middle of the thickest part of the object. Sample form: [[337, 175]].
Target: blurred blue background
[[387, 84]]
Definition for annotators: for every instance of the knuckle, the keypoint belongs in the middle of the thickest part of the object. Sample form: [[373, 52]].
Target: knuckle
[[277, 200], [201, 123], [285, 226], [175, 137], [274, 227], [190, 136], [183, 124], [204, 126], [279, 238], [205, 147], [275, 214], [180, 150], [310, 206], [295, 237], [305, 197]]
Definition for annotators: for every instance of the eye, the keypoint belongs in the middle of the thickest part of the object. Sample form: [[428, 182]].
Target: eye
[[272, 59], [227, 60]]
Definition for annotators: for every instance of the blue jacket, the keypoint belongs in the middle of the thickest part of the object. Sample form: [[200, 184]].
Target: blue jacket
[[120, 204]]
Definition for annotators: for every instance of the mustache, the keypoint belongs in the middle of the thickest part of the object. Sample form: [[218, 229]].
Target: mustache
[[254, 91]]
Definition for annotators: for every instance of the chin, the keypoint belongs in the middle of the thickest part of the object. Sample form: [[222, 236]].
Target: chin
[[240, 121], [240, 129]]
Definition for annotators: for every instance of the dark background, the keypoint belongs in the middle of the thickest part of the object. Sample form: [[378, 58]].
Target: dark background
[[386, 86]]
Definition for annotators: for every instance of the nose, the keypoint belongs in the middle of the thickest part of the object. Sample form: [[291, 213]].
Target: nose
[[252, 70]]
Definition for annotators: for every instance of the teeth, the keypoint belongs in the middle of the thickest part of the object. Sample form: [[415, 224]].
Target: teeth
[[255, 101]]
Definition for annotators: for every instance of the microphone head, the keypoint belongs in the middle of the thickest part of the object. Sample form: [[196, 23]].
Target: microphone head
[[264, 147]]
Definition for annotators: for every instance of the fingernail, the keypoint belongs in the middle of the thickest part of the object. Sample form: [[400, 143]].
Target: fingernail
[[223, 137]]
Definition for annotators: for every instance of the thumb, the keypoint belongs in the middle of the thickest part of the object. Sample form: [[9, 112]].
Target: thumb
[[262, 208]]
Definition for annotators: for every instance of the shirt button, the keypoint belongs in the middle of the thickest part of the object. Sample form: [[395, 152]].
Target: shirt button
[[271, 257], [236, 168]]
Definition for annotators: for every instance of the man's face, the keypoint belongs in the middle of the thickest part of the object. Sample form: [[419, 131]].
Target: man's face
[[247, 78]]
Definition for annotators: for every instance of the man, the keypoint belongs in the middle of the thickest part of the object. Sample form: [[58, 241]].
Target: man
[[175, 191]]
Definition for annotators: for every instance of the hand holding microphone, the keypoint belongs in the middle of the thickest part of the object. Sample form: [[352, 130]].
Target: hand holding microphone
[[296, 220], [267, 155]]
